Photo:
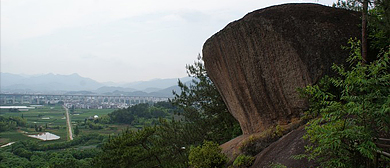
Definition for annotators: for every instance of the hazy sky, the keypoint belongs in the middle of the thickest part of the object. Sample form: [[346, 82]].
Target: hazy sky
[[113, 40]]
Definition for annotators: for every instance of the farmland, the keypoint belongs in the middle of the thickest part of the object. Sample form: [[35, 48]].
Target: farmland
[[52, 119]]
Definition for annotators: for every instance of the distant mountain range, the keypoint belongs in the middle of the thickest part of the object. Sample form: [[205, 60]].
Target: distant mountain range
[[75, 84]]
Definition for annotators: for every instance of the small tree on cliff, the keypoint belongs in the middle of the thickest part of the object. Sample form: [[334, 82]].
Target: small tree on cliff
[[375, 24], [359, 5], [350, 111], [379, 25], [204, 107]]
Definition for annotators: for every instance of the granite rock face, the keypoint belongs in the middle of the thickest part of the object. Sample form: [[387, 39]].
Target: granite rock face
[[259, 61], [281, 151]]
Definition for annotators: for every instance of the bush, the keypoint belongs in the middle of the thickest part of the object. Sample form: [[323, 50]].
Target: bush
[[277, 165], [351, 110], [256, 143], [243, 161], [207, 156]]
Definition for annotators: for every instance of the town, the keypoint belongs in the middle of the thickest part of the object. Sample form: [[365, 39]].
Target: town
[[77, 101]]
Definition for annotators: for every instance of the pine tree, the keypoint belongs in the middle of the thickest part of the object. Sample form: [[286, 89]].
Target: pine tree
[[204, 107]]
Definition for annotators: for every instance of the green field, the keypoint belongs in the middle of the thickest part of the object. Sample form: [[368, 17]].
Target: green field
[[81, 114], [54, 118], [51, 115], [12, 136]]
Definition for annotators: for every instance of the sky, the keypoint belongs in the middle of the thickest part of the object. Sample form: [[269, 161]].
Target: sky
[[114, 40]]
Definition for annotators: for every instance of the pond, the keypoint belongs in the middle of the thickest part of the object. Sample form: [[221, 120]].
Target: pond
[[46, 136]]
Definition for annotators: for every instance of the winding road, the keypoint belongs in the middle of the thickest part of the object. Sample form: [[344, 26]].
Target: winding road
[[69, 126]]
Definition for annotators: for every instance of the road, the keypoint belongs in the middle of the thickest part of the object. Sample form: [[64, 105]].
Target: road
[[8, 144], [68, 124]]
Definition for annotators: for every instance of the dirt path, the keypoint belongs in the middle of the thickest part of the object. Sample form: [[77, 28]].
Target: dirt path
[[8, 144], [69, 126]]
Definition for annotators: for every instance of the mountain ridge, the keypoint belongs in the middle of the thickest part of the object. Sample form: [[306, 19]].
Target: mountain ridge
[[74, 83]]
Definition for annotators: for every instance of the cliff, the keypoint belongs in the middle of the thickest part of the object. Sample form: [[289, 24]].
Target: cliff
[[259, 61]]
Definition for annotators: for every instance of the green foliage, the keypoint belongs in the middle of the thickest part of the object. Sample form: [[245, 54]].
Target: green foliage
[[162, 145], [168, 106], [76, 131], [93, 125], [139, 113], [207, 156], [8, 159], [131, 149], [10, 123], [277, 165], [256, 143], [379, 25], [243, 161], [350, 110], [175, 139], [348, 4], [105, 119], [279, 130], [34, 146], [166, 143], [204, 108], [29, 154]]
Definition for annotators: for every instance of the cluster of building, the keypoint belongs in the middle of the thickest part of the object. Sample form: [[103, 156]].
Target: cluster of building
[[17, 108], [77, 101]]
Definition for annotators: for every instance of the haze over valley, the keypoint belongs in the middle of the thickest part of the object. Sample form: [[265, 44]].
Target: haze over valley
[[76, 84], [201, 84]]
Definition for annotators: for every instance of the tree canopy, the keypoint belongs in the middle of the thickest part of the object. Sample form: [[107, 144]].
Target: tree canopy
[[351, 111], [204, 107]]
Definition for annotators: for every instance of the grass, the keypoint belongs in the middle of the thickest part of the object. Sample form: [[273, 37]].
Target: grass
[[112, 130], [55, 123], [13, 136], [54, 118], [81, 114], [21, 135], [51, 115]]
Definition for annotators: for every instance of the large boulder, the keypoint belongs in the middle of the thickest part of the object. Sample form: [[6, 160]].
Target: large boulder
[[258, 62]]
